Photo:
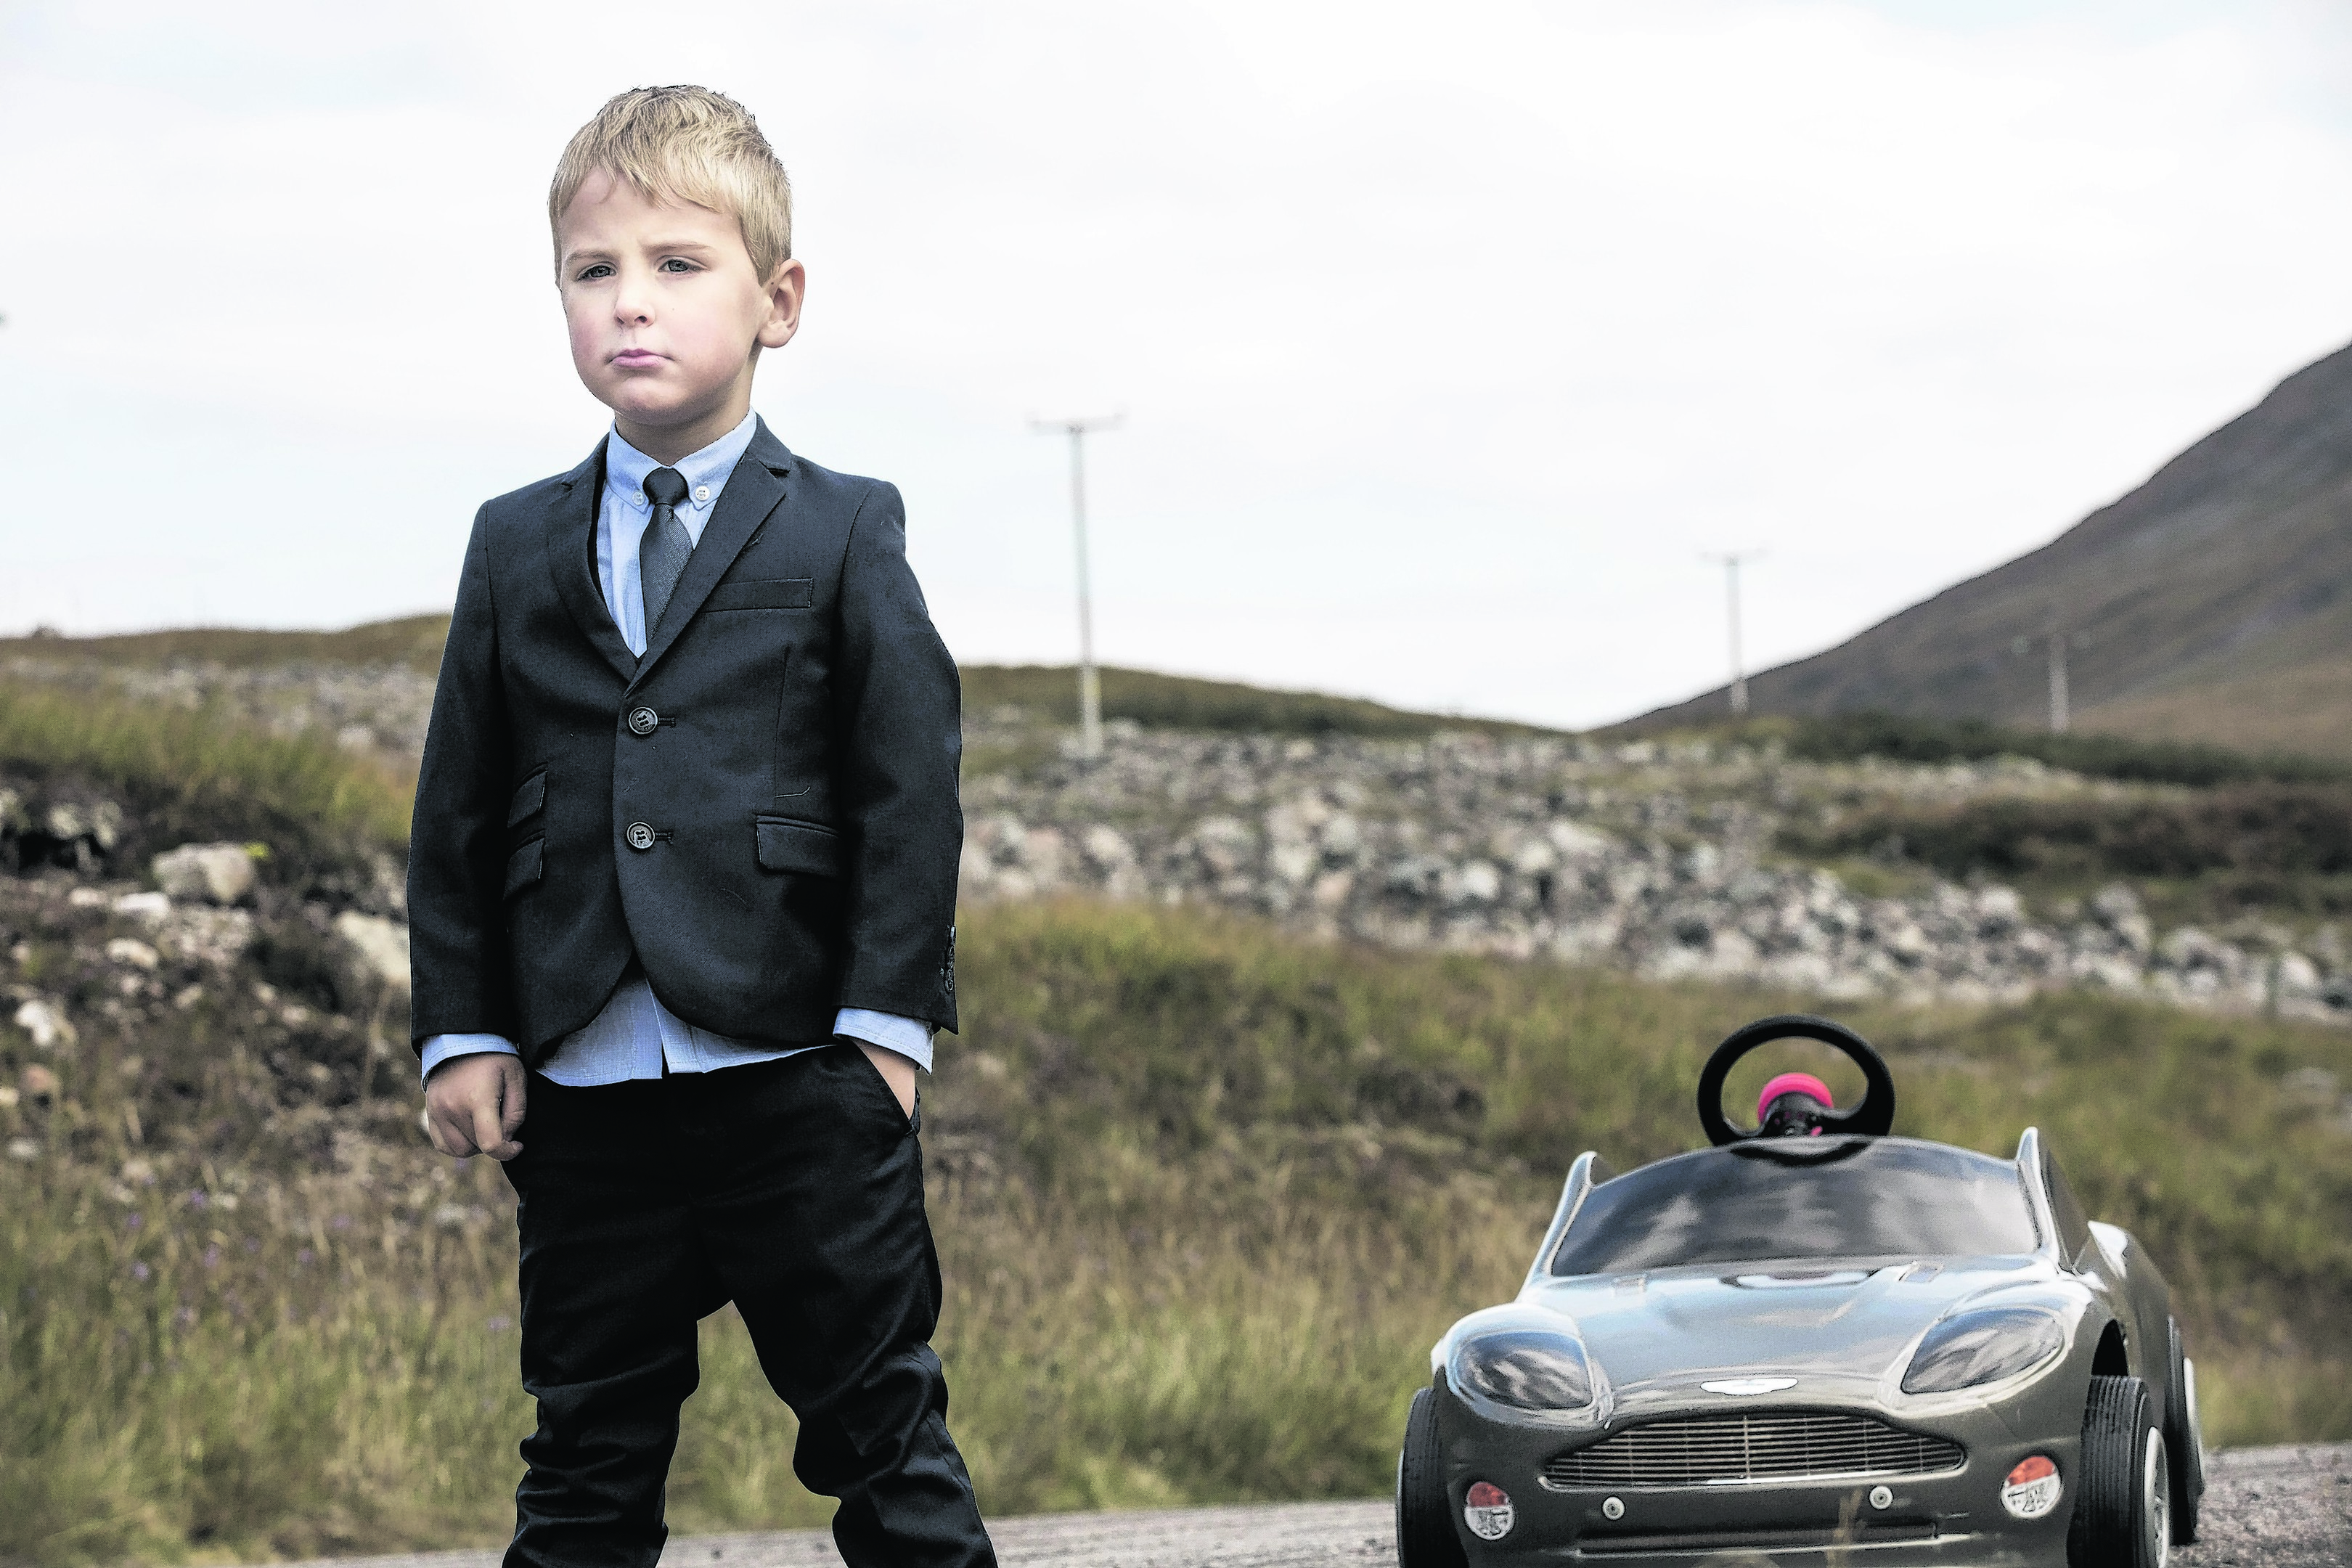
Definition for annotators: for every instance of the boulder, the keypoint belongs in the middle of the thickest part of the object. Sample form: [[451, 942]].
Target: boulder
[[210, 873], [377, 950], [46, 1023]]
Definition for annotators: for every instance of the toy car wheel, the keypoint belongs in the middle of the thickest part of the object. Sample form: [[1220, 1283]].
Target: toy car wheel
[[2184, 1440], [2123, 1511], [1424, 1518]]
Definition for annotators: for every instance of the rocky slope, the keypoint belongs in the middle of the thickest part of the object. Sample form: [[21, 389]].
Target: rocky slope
[[1661, 861], [1668, 861], [2213, 603]]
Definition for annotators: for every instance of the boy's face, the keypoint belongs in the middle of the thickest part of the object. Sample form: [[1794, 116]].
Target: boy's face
[[666, 314]]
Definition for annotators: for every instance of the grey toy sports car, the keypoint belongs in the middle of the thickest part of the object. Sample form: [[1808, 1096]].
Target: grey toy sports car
[[1810, 1340]]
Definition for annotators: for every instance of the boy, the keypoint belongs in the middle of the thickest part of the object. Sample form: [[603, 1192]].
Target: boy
[[682, 876]]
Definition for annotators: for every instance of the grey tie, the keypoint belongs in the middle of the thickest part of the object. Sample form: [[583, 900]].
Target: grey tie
[[662, 552]]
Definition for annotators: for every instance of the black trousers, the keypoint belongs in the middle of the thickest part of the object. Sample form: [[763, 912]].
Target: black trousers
[[793, 1188]]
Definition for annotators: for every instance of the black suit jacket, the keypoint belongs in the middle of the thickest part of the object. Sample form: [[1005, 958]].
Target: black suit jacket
[[762, 810]]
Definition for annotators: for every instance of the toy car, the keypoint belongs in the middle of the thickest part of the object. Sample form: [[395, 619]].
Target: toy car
[[1812, 1339]]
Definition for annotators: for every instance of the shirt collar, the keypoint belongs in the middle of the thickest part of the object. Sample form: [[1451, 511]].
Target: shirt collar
[[704, 472]]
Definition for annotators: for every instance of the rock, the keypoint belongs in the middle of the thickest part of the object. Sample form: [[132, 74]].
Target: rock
[[1293, 862], [47, 1023], [148, 908], [38, 1082], [99, 822], [378, 949], [1041, 853], [1575, 842], [2298, 978], [1477, 882], [213, 873], [1999, 910], [1533, 858], [1106, 849], [132, 951], [1341, 837]]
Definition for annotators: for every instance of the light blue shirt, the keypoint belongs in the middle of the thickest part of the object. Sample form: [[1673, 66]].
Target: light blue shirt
[[635, 1036]]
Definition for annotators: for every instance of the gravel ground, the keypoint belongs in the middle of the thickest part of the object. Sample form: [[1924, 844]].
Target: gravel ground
[[2264, 1508], [2274, 1507]]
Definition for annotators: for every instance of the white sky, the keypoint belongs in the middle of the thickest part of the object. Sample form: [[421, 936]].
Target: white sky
[[1450, 337]]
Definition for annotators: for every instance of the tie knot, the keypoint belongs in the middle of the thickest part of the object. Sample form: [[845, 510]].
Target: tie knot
[[666, 487]]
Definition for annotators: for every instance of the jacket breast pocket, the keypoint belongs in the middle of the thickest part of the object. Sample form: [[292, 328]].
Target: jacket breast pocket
[[525, 865], [783, 844], [763, 594]]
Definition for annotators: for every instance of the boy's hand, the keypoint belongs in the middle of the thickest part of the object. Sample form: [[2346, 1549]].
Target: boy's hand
[[473, 1105], [895, 1070]]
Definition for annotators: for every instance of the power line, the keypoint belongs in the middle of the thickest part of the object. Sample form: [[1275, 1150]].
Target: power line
[[1089, 681]]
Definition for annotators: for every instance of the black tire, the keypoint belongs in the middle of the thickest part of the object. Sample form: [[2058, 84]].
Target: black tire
[[1425, 1514], [2124, 1485], [2184, 1443]]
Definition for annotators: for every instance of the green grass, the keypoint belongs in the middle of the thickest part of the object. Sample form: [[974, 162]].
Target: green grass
[[197, 775], [1204, 1196], [413, 640], [1904, 737], [1171, 701], [1187, 702]]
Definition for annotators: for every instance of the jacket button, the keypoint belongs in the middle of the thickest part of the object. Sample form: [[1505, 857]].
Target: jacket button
[[640, 835], [644, 722]]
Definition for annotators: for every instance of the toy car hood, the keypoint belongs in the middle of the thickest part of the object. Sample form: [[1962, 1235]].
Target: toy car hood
[[1658, 1340]]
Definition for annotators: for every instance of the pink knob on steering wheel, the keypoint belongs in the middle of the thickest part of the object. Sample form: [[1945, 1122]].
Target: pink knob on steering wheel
[[1803, 1083]]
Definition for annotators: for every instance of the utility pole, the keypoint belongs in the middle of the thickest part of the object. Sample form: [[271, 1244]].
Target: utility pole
[[1089, 681], [2058, 715], [1731, 560]]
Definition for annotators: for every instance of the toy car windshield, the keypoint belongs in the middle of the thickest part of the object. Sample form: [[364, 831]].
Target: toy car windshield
[[1833, 1198]]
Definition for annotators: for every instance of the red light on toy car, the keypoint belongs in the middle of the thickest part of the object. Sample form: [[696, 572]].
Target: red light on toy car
[[2032, 1488], [1487, 1510]]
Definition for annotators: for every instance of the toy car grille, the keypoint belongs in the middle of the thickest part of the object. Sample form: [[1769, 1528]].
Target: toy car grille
[[1757, 1445]]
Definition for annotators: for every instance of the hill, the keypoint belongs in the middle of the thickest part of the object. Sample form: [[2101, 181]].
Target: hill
[[2213, 603], [1048, 692]]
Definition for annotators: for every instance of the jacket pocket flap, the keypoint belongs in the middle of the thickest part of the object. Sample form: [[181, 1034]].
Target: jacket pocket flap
[[763, 594], [525, 865], [529, 798], [788, 845]]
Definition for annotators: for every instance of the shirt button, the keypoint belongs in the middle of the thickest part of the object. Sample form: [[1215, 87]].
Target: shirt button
[[641, 835], [644, 722], [702, 493]]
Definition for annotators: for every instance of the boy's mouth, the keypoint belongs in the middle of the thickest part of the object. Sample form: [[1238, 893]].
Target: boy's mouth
[[635, 359]]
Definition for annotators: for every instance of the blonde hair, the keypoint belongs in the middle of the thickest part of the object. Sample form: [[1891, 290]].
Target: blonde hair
[[684, 144]]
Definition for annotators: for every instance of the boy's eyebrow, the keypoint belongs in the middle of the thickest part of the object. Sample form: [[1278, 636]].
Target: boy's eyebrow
[[660, 247]]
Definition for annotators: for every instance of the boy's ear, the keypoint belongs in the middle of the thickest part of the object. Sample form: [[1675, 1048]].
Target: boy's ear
[[786, 289]]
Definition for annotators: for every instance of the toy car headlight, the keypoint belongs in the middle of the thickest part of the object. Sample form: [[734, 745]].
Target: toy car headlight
[[1528, 1369], [1981, 1347]]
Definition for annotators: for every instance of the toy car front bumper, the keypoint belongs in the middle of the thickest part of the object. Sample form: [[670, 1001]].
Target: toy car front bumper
[[1954, 1517]]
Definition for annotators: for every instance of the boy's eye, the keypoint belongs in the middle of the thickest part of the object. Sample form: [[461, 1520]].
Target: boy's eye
[[590, 273], [677, 264]]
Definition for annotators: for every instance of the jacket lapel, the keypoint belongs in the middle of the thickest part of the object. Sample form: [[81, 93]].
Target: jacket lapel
[[571, 541], [755, 489]]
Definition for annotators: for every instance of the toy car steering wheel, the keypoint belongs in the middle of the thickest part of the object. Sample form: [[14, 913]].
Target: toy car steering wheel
[[1873, 1118]]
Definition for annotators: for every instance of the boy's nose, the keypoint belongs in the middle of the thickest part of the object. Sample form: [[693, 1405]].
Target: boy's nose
[[632, 302]]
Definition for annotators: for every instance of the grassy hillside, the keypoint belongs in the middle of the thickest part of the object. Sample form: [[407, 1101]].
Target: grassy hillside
[[1205, 1195], [413, 640], [1912, 739], [1147, 696], [2212, 603], [1187, 702]]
